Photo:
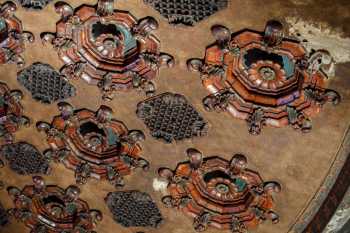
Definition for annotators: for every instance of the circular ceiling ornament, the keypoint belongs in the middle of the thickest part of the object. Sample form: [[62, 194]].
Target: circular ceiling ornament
[[220, 193], [93, 144], [52, 209], [264, 78], [12, 36], [108, 48], [11, 112]]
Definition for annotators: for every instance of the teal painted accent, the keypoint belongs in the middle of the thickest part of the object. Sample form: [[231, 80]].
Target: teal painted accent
[[110, 7], [241, 184], [288, 66], [2, 101], [3, 24], [2, 130], [71, 208], [112, 137], [129, 40]]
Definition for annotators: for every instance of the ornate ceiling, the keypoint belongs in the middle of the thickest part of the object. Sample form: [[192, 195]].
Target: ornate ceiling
[[123, 141]]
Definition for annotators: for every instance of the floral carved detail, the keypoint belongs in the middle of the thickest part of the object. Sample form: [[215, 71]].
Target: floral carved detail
[[12, 36], [11, 113], [220, 193], [52, 209], [93, 144], [108, 48], [267, 76]]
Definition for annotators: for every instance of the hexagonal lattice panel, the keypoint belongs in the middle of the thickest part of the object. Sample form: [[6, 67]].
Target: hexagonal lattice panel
[[34, 4], [3, 216], [24, 159], [170, 117], [134, 209], [187, 12], [45, 83]]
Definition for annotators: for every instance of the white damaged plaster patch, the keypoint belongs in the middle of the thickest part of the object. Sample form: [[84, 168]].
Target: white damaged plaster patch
[[320, 36], [160, 185]]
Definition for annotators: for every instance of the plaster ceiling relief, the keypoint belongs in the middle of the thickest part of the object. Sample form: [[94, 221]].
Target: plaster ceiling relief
[[220, 193], [93, 144], [108, 48], [52, 209], [265, 78], [11, 113], [12, 35]]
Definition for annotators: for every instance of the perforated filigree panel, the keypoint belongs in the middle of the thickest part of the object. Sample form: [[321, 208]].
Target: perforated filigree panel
[[134, 209], [3, 216], [34, 4], [25, 159], [45, 83], [187, 12], [170, 117]]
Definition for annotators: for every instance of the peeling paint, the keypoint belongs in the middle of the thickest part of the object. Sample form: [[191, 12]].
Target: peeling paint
[[160, 185], [320, 36]]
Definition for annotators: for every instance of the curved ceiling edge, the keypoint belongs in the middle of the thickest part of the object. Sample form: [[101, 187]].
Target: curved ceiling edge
[[329, 196]]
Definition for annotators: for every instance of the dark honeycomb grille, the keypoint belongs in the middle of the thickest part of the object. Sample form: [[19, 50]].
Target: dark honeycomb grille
[[34, 4], [25, 159], [187, 12], [45, 83], [3, 216], [134, 209], [170, 117]]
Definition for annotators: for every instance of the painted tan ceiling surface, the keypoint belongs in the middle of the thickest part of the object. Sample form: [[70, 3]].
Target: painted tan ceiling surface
[[298, 161]]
